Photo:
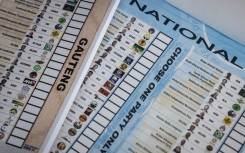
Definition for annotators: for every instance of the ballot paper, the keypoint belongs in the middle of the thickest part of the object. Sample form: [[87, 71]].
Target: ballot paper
[[44, 45], [103, 76], [161, 81]]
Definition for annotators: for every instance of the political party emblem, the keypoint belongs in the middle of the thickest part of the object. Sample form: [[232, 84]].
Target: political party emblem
[[69, 7], [21, 96], [58, 27], [88, 111], [13, 111], [104, 92], [118, 73], [114, 79], [25, 89], [109, 85], [33, 75], [218, 134], [37, 67], [227, 121], [137, 48], [61, 145], [128, 60], [142, 42], [72, 131], [48, 47], [17, 103], [62, 20], [55, 33], [123, 66]]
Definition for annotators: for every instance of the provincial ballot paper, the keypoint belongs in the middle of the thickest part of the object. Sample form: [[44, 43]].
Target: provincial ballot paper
[[44, 45], [161, 81]]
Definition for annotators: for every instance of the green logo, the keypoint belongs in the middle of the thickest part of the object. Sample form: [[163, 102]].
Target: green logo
[[48, 47], [62, 20], [218, 134], [37, 67], [236, 107]]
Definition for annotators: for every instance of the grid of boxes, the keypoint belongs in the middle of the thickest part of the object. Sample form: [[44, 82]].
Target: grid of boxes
[[47, 80], [235, 141], [106, 114]]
